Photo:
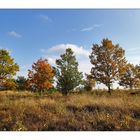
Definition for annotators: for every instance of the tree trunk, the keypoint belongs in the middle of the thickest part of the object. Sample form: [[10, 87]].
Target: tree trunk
[[109, 89], [65, 92]]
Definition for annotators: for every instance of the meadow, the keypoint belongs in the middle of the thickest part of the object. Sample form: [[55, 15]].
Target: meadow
[[94, 111]]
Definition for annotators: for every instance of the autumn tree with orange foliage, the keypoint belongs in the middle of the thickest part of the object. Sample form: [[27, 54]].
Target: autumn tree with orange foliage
[[40, 78], [108, 62], [130, 78], [10, 84]]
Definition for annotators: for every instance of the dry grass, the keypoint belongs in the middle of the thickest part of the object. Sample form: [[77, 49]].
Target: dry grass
[[24, 111]]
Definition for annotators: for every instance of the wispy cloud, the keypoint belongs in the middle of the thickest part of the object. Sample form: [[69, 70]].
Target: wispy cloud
[[14, 34], [97, 25], [45, 18], [87, 29], [91, 27]]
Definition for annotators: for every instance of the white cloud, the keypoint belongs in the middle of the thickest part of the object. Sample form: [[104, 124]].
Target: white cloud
[[134, 60], [85, 65], [81, 54], [51, 60], [23, 70], [87, 29], [22, 73], [78, 50], [97, 25], [43, 50], [14, 34], [45, 18], [132, 55], [91, 27]]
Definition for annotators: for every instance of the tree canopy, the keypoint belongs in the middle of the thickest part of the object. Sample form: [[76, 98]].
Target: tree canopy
[[68, 75], [8, 69], [40, 78], [130, 78], [108, 62], [21, 83]]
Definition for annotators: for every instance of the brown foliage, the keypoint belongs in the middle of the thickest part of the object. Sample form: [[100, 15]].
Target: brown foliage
[[129, 78], [10, 84], [41, 76], [108, 62]]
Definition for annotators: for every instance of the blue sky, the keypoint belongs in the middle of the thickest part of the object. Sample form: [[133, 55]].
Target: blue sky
[[31, 34]]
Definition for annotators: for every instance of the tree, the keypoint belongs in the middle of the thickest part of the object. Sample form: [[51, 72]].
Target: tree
[[8, 69], [108, 62], [138, 71], [89, 83], [21, 82], [10, 84], [130, 78], [40, 78], [68, 76]]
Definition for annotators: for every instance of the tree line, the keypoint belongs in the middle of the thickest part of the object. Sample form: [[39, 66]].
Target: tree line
[[108, 61]]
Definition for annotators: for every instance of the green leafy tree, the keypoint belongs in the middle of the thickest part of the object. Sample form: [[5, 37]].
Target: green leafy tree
[[130, 78], [8, 69], [68, 76], [108, 62], [21, 83]]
